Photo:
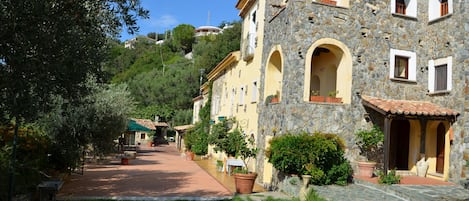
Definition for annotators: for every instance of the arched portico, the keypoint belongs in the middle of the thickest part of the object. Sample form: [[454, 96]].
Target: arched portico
[[328, 70]]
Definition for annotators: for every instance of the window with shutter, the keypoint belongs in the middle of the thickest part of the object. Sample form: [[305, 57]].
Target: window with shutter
[[441, 77], [444, 7]]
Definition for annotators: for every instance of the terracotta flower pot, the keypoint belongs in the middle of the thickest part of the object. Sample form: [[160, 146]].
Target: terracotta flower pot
[[274, 100], [245, 182], [124, 161], [316, 98], [333, 100], [366, 168], [190, 155]]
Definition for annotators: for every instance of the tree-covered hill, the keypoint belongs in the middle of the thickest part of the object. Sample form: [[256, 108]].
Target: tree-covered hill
[[160, 78]]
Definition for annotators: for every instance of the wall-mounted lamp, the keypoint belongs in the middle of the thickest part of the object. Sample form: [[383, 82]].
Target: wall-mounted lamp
[[367, 117]]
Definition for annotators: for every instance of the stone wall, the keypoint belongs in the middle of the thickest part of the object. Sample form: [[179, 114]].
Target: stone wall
[[369, 31]]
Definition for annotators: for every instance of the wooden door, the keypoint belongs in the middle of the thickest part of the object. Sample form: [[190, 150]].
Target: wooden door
[[440, 148]]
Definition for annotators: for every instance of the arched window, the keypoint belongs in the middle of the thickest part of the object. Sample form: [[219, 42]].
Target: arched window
[[273, 77]]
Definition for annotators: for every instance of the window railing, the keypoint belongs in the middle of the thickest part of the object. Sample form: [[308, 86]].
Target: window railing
[[444, 8]]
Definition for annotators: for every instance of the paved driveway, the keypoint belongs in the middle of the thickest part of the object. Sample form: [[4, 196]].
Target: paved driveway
[[159, 172]]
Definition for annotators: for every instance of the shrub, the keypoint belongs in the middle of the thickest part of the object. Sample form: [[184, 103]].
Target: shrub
[[199, 139], [370, 141], [31, 157], [317, 175], [340, 174], [319, 155], [189, 139], [390, 178], [288, 153]]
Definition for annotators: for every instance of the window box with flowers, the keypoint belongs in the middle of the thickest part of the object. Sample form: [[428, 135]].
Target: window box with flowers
[[315, 97]]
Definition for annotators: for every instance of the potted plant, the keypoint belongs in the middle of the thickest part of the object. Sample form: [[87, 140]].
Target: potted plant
[[332, 97], [245, 150], [124, 160], [274, 98], [370, 142], [233, 143], [315, 97]]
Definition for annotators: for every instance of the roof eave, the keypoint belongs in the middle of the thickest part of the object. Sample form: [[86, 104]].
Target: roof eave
[[229, 59]]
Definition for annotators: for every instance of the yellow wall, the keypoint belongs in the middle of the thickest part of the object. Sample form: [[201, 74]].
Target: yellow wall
[[268, 168], [430, 148], [241, 74], [414, 145], [273, 77]]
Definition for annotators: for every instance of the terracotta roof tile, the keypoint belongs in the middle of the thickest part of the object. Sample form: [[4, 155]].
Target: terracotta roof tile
[[183, 127], [161, 124], [406, 107]]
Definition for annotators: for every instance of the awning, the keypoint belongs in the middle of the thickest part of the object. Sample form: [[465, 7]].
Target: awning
[[134, 126], [408, 108]]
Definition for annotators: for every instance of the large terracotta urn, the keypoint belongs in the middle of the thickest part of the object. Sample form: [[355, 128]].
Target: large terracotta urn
[[366, 168], [245, 182]]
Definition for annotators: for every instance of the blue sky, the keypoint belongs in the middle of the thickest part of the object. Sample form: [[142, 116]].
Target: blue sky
[[167, 14]]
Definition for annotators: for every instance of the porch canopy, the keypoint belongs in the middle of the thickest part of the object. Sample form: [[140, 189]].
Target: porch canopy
[[407, 109]]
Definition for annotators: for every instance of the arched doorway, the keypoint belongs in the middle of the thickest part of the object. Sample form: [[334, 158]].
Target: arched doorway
[[399, 145]]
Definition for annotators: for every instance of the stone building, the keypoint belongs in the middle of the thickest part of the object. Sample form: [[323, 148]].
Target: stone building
[[401, 65]]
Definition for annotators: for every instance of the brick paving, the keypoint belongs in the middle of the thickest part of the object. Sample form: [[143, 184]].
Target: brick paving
[[158, 173], [161, 173]]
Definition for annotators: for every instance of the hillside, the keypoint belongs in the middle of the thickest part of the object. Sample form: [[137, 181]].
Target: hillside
[[160, 78]]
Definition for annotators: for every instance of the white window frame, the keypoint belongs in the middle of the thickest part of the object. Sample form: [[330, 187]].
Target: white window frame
[[410, 10], [412, 65], [252, 33], [216, 104], [232, 100], [254, 91], [242, 90], [431, 73], [434, 9]]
